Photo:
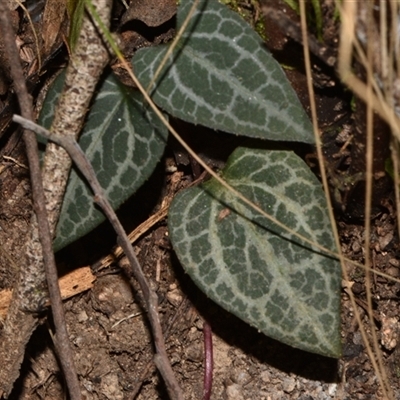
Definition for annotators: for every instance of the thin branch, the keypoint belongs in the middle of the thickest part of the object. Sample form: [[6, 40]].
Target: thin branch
[[39, 205], [167, 332], [81, 161]]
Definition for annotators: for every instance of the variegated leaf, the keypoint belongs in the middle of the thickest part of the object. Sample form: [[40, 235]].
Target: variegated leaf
[[124, 143], [220, 75], [247, 264]]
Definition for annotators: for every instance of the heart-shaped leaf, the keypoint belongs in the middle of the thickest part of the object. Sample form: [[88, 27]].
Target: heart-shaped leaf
[[250, 266], [220, 75], [124, 144]]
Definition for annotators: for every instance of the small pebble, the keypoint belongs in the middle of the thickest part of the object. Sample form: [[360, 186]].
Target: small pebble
[[332, 388], [356, 247], [265, 376], [78, 341], [385, 240], [234, 392], [82, 316], [288, 385], [174, 297], [357, 338]]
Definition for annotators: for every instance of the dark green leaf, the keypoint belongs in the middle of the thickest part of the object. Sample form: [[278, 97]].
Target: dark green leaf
[[124, 144], [221, 76], [250, 266]]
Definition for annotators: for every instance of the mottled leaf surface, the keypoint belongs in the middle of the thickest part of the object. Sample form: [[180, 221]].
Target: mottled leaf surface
[[250, 266], [221, 76], [124, 144]]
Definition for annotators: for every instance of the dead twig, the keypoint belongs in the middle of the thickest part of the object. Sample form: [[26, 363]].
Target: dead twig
[[167, 333], [81, 161], [18, 315]]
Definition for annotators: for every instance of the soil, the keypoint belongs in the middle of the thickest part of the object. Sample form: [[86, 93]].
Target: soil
[[107, 324]]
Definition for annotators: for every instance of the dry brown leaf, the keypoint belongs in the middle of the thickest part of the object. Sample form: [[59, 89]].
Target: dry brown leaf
[[53, 17], [151, 12]]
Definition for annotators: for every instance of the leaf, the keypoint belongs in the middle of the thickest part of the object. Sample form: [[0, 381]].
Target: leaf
[[220, 75], [250, 266], [124, 145], [152, 12], [53, 18], [76, 10]]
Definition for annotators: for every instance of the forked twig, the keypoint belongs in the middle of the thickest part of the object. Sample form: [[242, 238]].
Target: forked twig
[[28, 321], [81, 161]]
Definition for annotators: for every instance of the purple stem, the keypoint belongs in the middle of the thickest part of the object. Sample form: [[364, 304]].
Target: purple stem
[[208, 364]]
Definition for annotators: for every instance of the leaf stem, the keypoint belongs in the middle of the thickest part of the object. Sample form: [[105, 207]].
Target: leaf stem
[[208, 361]]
